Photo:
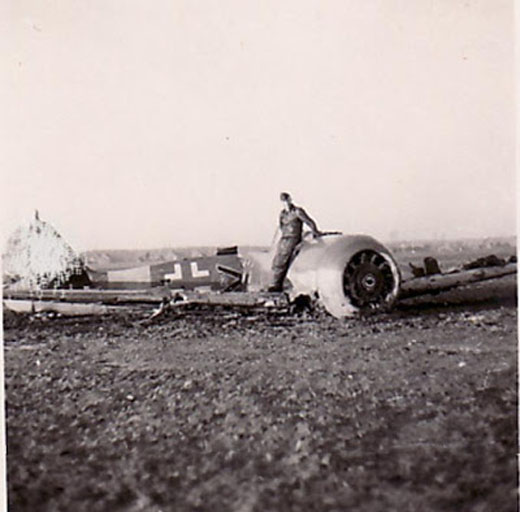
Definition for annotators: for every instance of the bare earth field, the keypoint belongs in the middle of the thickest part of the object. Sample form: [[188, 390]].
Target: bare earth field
[[224, 410]]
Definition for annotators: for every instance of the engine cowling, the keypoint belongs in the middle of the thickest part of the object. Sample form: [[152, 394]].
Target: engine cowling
[[346, 274]]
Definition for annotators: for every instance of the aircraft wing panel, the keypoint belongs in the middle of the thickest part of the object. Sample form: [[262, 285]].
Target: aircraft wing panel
[[442, 282]]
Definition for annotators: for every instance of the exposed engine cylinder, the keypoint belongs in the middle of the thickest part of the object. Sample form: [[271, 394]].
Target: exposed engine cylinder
[[346, 274]]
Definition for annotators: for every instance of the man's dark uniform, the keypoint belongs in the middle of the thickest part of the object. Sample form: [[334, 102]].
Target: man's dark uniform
[[291, 226]]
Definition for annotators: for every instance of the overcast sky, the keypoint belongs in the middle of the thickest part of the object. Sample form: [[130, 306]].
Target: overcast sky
[[138, 124]]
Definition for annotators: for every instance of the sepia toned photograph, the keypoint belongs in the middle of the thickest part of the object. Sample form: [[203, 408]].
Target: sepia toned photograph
[[259, 256]]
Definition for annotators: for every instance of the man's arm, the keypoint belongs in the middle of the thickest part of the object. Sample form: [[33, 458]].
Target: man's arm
[[302, 215], [275, 236]]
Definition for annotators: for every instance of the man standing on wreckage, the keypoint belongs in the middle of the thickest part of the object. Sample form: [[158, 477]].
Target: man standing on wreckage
[[291, 222]]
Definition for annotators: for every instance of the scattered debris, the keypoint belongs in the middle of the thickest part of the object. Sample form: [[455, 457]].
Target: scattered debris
[[431, 267], [219, 407], [487, 261]]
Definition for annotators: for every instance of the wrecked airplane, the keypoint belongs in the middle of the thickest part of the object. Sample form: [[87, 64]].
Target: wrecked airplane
[[343, 273]]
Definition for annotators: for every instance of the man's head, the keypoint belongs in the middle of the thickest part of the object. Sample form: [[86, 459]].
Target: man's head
[[285, 197]]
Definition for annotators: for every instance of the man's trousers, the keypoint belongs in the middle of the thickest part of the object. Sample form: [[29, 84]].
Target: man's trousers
[[282, 260]]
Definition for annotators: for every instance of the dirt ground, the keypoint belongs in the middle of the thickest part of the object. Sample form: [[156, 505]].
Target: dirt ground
[[231, 411]]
